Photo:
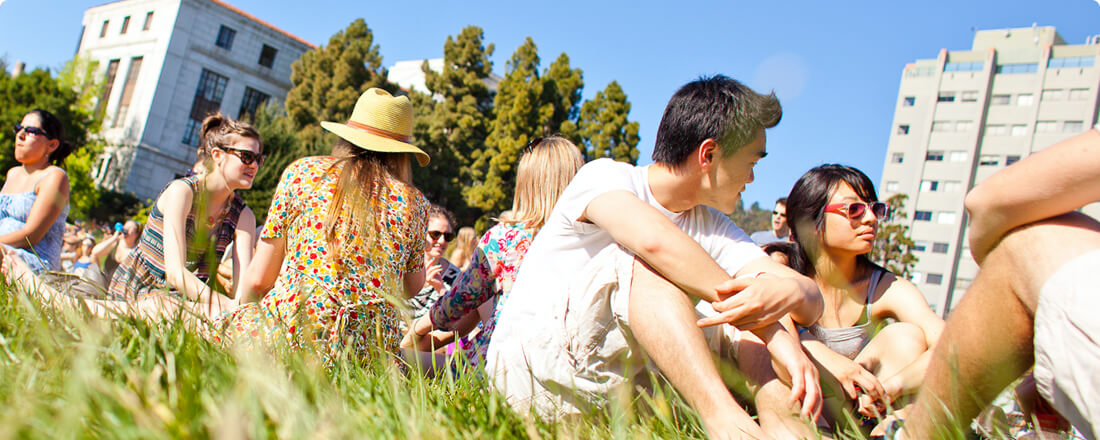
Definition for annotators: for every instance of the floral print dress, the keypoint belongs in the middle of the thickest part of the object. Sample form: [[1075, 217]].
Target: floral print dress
[[334, 304], [491, 273]]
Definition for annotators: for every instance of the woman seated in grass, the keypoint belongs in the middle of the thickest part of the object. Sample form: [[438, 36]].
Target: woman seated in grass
[[342, 244], [544, 171], [34, 201], [864, 360], [191, 223]]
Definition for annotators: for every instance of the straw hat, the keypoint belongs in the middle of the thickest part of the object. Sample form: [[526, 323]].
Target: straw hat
[[381, 123]]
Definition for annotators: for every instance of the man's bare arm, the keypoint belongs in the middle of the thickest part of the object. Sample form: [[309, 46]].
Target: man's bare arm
[[1052, 182]]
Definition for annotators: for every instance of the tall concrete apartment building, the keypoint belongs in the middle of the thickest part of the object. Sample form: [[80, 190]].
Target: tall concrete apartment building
[[165, 65], [967, 114]]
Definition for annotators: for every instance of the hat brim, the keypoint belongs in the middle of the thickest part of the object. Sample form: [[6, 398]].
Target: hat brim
[[373, 142]]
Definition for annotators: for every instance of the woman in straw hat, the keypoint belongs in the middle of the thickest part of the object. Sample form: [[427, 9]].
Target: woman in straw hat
[[545, 169], [343, 241]]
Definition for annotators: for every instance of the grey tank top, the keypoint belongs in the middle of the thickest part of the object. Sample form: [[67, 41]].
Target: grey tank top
[[849, 341]]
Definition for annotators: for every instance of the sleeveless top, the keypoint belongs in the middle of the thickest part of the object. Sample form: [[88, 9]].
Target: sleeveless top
[[849, 341], [143, 272], [14, 210]]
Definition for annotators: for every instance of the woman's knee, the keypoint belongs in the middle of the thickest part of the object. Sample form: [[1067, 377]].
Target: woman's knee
[[904, 336]]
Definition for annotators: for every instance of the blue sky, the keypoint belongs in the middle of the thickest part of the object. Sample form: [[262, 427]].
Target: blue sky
[[834, 65]]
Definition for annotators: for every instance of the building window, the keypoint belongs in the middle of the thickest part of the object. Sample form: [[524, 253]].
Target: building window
[[989, 160], [964, 67], [934, 156], [1025, 99], [939, 248], [909, 101], [917, 72], [970, 96], [1019, 130], [903, 129], [252, 100], [267, 56], [1078, 94], [1000, 100], [945, 218], [1018, 68], [112, 71], [1011, 159], [1046, 126], [943, 126], [148, 21], [1073, 127], [929, 186], [208, 99], [964, 126], [128, 90], [922, 216], [933, 278], [1057, 63], [996, 129], [1053, 95], [920, 246], [225, 37], [893, 186], [103, 30], [946, 97], [125, 24], [897, 157], [957, 156]]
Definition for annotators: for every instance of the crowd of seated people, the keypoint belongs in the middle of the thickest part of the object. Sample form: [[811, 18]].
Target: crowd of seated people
[[602, 277]]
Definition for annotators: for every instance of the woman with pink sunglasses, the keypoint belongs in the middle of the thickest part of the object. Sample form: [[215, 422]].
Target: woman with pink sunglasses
[[864, 362]]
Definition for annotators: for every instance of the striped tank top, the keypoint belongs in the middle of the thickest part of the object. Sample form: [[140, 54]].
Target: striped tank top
[[143, 272]]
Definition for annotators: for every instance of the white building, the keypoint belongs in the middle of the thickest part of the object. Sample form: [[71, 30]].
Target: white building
[[166, 64], [967, 114]]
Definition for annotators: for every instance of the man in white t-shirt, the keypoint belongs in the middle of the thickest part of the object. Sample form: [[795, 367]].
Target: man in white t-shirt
[[608, 290]]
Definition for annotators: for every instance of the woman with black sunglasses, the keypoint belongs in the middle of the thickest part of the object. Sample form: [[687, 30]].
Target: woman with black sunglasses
[[34, 201], [193, 221], [439, 273], [834, 216]]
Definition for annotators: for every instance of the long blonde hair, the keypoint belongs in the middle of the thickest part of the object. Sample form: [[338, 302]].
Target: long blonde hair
[[360, 190], [463, 248], [543, 173]]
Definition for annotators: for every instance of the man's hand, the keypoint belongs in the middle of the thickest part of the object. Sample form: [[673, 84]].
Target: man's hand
[[754, 303], [787, 354]]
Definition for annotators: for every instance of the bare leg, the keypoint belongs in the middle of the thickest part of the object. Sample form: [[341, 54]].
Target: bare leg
[[987, 342], [771, 396], [663, 321]]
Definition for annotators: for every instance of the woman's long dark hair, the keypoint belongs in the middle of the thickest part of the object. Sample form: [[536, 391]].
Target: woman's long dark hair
[[806, 208]]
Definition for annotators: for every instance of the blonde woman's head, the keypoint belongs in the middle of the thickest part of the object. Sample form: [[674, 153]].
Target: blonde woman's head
[[547, 166]]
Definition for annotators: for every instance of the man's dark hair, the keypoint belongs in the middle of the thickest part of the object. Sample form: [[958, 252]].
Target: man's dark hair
[[718, 108], [781, 201]]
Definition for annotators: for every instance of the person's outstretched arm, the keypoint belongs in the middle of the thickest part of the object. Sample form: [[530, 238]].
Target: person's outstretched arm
[[1054, 181]]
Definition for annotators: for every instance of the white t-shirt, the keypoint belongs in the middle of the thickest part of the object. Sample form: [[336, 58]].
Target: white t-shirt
[[565, 247]]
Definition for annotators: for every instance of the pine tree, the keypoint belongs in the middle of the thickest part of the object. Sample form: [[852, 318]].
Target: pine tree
[[517, 120], [753, 219], [329, 80], [894, 248], [561, 97], [456, 126], [604, 128]]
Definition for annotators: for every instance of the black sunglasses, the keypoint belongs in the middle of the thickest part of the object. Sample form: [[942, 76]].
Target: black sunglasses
[[247, 157], [531, 145], [30, 130], [447, 236]]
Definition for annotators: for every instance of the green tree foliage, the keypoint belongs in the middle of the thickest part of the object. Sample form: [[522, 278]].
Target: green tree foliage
[[281, 147], [523, 110], [604, 128], [894, 248], [753, 219], [69, 96], [113, 206], [328, 81], [456, 126]]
